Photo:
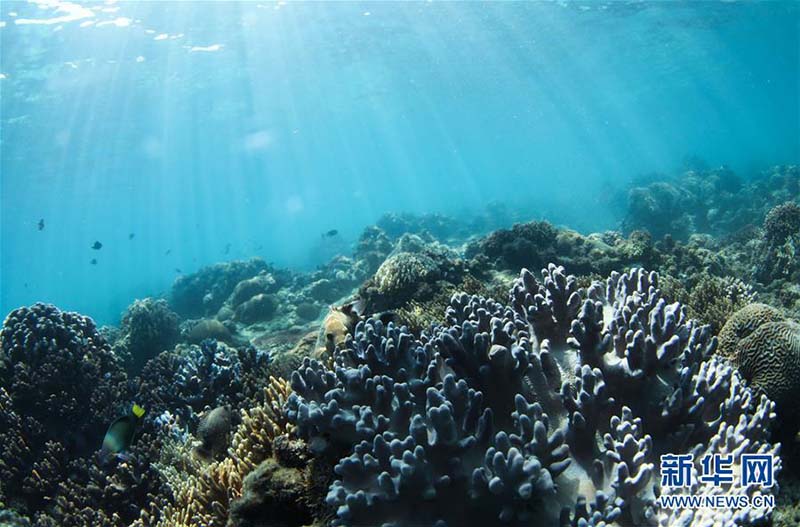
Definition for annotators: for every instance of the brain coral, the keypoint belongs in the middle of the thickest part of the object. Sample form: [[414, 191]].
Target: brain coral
[[770, 359], [743, 323], [552, 410]]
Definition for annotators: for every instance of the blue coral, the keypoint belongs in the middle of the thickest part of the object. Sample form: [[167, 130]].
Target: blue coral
[[551, 410]]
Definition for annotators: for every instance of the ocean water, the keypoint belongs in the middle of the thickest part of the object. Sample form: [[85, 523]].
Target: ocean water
[[214, 131]]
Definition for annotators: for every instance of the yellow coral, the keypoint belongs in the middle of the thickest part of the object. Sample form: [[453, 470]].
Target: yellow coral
[[203, 493]]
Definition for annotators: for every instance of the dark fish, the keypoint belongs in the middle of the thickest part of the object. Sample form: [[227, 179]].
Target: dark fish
[[331, 233], [121, 432], [214, 433], [41, 224], [131, 235], [168, 252], [26, 285], [227, 248], [97, 246], [93, 261], [178, 270]]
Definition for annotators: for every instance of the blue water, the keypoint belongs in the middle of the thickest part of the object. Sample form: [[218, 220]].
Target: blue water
[[215, 131]]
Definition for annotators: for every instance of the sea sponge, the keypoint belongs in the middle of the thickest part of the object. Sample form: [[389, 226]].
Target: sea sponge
[[743, 323]]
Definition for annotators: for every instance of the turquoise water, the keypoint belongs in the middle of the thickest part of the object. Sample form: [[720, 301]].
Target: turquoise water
[[214, 131]]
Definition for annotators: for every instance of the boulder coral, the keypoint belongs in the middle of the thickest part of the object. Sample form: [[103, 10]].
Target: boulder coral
[[148, 327], [552, 409]]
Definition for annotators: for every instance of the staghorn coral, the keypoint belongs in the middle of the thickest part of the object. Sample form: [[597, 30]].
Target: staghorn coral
[[550, 411], [148, 327]]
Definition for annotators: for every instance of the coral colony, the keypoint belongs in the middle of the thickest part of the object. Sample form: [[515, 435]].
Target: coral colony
[[447, 373]]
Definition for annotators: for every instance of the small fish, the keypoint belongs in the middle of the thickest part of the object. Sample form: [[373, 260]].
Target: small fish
[[177, 270], [331, 233], [26, 285], [168, 252], [93, 261], [121, 432], [227, 248], [131, 235], [97, 246], [41, 224]]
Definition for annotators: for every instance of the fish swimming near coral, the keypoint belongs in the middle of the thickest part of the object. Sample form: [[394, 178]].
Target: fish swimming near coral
[[121, 432], [41, 224], [330, 234], [93, 261], [97, 246], [214, 433], [340, 321]]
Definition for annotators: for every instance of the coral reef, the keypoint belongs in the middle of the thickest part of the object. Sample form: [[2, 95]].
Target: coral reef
[[191, 378], [780, 258], [712, 201], [531, 414], [204, 292], [416, 270], [148, 327], [204, 494], [61, 385]]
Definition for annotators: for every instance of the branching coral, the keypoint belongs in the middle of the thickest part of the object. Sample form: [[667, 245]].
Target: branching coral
[[203, 493], [191, 378], [551, 411]]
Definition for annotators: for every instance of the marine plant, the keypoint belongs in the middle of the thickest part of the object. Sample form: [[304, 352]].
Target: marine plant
[[552, 409]]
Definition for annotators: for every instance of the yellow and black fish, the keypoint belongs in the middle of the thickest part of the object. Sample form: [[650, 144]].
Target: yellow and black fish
[[121, 432]]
